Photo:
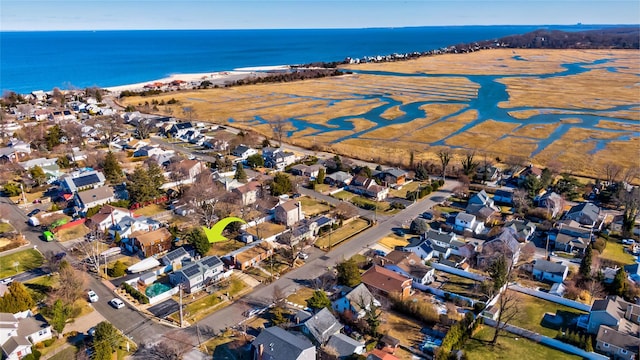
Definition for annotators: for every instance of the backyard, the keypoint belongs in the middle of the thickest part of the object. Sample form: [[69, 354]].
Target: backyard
[[224, 247], [300, 296], [343, 233], [403, 328], [72, 233], [392, 240], [19, 262], [313, 207], [461, 286], [266, 229], [615, 251], [150, 210], [509, 347], [343, 195], [531, 313], [207, 304]]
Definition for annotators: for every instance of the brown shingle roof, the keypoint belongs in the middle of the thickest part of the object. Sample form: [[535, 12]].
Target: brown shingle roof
[[105, 212], [252, 252], [151, 237], [289, 205], [384, 279]]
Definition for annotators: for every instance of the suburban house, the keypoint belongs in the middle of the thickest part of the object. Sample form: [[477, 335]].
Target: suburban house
[[548, 270], [195, 276], [408, 264], [129, 225], [393, 177], [362, 185], [529, 171], [153, 242], [354, 303], [107, 217], [248, 192], [551, 201], [275, 343], [78, 181], [586, 214], [175, 258], [505, 243], [487, 173], [319, 327], [421, 247], [524, 229], [250, 256], [18, 335], [386, 281], [87, 199], [15, 150], [482, 206], [278, 159], [503, 197], [569, 237], [615, 323], [179, 130], [468, 222], [345, 346], [338, 179], [310, 171], [377, 354], [216, 144], [442, 243], [191, 168], [308, 229], [243, 151], [289, 213], [149, 151]]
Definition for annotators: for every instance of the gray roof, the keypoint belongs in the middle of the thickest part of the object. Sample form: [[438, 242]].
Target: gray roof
[[322, 325], [302, 316], [101, 193], [279, 344], [340, 176], [549, 266], [343, 344], [396, 172], [440, 236], [584, 213], [7, 318], [466, 217], [618, 339], [176, 254], [360, 295], [13, 343], [31, 325]]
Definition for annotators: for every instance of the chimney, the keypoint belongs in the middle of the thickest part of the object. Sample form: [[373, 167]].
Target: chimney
[[260, 351]]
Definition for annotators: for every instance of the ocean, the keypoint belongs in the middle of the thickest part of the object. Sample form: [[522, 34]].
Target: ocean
[[77, 59]]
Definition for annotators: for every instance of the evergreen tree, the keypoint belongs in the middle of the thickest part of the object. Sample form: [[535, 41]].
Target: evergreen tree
[[321, 176], [107, 333], [498, 272], [53, 136], [588, 346], [111, 168], [319, 300], [156, 177], [277, 316], [240, 175], [619, 285], [255, 160], [17, 299], [585, 264], [348, 273], [140, 186], [198, 239], [38, 175], [59, 315], [281, 184], [117, 238]]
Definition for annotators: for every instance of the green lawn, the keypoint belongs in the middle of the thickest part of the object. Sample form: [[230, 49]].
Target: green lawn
[[207, 304], [312, 206], [615, 251], [507, 348], [343, 195], [40, 286], [343, 233], [66, 354], [532, 310], [366, 203], [150, 210], [300, 296], [5, 227], [445, 209], [321, 187], [462, 286], [20, 261]]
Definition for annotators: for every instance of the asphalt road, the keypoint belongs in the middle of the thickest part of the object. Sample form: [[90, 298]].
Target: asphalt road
[[318, 263]]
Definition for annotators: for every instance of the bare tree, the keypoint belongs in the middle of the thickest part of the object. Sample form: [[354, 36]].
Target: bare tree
[[189, 112], [468, 164], [527, 252], [203, 196], [71, 285], [144, 128], [278, 127], [287, 239], [112, 125], [90, 250], [630, 174], [595, 288], [73, 131], [178, 174], [445, 158], [611, 172], [508, 310]]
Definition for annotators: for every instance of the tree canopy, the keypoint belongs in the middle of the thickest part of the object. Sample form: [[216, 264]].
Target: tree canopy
[[319, 300], [348, 273], [111, 168], [281, 184], [198, 239]]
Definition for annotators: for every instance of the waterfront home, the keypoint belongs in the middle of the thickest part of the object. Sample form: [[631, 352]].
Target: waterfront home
[[179, 130], [362, 185], [243, 151], [338, 179], [275, 343], [89, 198], [276, 158], [385, 281], [193, 277], [393, 177], [354, 303]]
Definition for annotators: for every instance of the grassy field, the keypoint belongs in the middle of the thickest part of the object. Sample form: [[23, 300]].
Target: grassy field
[[5, 227], [392, 240], [225, 247], [72, 233], [313, 207], [615, 251], [341, 234], [300, 296], [412, 186], [509, 347], [66, 354], [19, 262], [266, 229], [150, 210], [343, 195], [531, 312]]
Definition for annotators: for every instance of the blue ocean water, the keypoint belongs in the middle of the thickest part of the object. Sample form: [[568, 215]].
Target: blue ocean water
[[44, 60]]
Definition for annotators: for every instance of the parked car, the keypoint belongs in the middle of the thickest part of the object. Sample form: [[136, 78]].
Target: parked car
[[427, 215], [252, 312], [6, 281], [33, 212], [116, 303], [93, 297], [303, 256], [628, 241]]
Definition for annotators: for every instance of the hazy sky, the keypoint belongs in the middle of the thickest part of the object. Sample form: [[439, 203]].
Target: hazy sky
[[268, 14]]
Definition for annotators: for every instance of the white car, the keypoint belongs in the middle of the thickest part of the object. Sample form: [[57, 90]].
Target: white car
[[93, 297], [628, 241], [116, 303], [303, 256]]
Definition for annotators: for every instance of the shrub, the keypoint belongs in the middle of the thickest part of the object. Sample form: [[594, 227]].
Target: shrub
[[118, 269], [140, 297], [398, 205], [12, 189], [599, 245], [49, 342]]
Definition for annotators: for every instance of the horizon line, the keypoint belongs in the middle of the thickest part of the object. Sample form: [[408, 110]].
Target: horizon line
[[316, 28]]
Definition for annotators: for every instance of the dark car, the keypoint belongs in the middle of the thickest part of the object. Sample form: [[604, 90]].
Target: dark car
[[427, 215], [33, 212]]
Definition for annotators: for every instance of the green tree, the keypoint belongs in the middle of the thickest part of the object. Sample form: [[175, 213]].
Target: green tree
[[419, 226], [12, 189], [277, 315], [111, 168], [117, 238], [118, 269], [52, 138], [319, 300], [198, 239], [59, 315], [156, 176], [499, 273], [240, 175], [585, 264], [588, 346], [619, 284], [17, 299], [93, 210], [38, 175], [533, 185], [348, 273], [140, 186], [102, 351], [321, 176], [63, 162], [281, 184], [255, 160], [372, 318]]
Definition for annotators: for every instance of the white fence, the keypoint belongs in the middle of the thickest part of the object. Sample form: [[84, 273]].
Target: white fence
[[459, 272], [553, 298], [163, 296]]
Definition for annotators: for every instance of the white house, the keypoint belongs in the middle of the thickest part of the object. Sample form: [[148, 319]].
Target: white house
[[78, 181], [243, 151], [94, 197], [108, 216], [547, 270], [18, 335], [410, 265], [465, 221], [149, 150], [194, 277]]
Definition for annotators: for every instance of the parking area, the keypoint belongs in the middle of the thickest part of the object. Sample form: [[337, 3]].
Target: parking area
[[165, 308]]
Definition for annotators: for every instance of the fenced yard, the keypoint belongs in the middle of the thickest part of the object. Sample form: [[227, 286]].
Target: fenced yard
[[346, 231], [531, 315], [312, 206]]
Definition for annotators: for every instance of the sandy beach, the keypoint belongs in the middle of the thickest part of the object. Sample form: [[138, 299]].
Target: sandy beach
[[216, 78]]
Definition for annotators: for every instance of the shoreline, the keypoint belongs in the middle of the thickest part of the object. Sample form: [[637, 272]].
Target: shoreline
[[215, 77]]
